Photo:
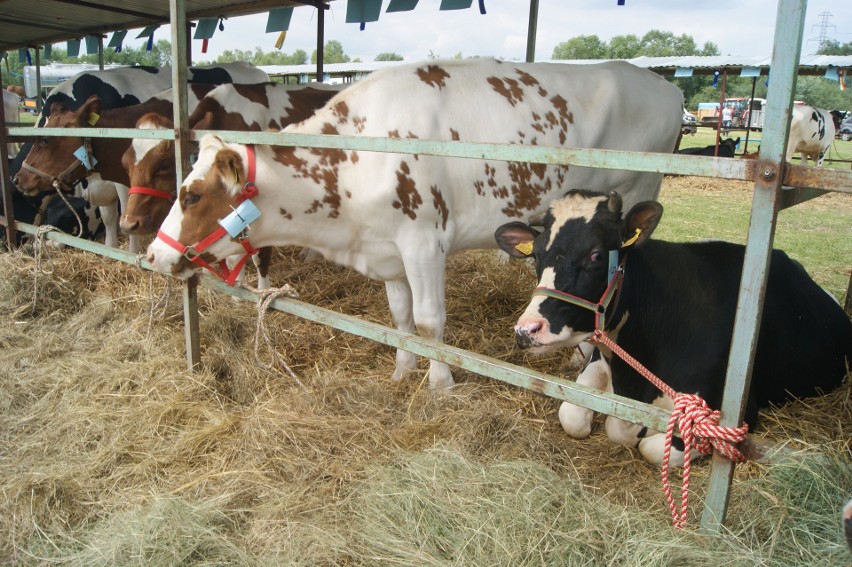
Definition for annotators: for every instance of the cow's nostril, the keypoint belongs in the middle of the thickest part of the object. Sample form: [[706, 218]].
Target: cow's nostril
[[526, 333], [150, 258]]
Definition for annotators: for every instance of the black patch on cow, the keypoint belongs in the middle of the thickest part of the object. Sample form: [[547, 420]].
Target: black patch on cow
[[726, 149], [211, 76]]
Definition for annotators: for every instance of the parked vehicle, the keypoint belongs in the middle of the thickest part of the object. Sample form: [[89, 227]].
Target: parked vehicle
[[845, 130], [690, 123]]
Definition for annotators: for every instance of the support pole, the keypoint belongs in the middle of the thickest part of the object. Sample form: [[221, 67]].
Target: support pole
[[320, 40], [8, 212], [765, 205], [38, 80], [181, 120], [531, 31]]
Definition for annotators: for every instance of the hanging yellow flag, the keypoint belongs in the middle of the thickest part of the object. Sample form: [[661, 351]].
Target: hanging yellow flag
[[280, 41]]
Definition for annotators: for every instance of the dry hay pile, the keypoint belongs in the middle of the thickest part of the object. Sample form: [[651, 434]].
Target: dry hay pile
[[113, 454]]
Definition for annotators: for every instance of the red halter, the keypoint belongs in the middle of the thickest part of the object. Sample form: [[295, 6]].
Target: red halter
[[193, 253], [153, 192]]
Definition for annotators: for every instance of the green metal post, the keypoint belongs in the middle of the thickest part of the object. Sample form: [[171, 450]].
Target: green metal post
[[765, 206]]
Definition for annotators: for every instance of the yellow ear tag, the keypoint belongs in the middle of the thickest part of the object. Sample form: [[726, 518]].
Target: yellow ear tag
[[524, 248], [93, 118], [632, 239]]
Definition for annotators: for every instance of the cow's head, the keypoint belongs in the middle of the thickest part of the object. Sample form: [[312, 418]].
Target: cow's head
[[53, 159], [207, 195], [572, 256], [150, 166]]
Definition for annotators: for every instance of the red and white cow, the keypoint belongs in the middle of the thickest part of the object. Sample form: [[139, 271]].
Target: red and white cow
[[150, 163], [396, 217], [671, 306], [812, 133]]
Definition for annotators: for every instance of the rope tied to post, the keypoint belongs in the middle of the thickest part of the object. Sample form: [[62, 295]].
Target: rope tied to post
[[698, 425], [265, 297]]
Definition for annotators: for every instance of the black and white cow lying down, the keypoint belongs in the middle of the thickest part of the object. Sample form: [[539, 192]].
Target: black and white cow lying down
[[674, 313]]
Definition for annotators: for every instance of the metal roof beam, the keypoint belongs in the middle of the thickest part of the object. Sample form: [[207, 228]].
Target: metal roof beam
[[104, 8]]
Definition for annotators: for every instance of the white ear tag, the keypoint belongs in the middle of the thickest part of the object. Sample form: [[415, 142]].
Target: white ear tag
[[613, 265], [240, 218], [83, 155]]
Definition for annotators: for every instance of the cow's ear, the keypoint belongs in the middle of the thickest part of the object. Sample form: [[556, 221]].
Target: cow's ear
[[516, 239], [203, 123], [56, 108], [90, 112], [230, 166], [640, 222]]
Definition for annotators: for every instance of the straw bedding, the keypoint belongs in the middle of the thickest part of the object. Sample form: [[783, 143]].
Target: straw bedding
[[114, 454]]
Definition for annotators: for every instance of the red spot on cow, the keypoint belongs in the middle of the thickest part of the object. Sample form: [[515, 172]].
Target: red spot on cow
[[409, 199], [433, 76], [330, 129], [360, 122], [526, 78], [440, 206], [508, 88], [283, 212], [454, 135]]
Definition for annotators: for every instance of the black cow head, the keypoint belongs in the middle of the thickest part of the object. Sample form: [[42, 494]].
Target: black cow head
[[572, 256]]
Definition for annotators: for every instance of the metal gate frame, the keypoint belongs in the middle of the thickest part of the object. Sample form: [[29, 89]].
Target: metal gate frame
[[776, 186]]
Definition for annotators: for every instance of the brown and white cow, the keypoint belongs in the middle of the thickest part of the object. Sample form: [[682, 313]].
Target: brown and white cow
[[150, 164], [812, 133], [396, 217]]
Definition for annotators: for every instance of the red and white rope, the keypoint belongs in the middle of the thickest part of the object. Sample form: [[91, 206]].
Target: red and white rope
[[698, 425]]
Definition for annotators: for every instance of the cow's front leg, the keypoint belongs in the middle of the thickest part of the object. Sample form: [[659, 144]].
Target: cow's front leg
[[399, 301], [426, 278], [109, 214], [577, 420]]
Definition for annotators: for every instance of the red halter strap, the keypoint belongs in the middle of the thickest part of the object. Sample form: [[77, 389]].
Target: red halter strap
[[193, 253], [153, 193]]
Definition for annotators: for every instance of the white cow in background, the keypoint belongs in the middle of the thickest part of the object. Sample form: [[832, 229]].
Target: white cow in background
[[812, 133], [11, 112]]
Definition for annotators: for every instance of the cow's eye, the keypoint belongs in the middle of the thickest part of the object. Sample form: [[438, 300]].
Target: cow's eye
[[165, 166], [595, 257], [43, 141], [191, 199]]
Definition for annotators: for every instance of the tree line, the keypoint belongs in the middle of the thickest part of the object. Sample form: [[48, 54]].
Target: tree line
[[815, 91]]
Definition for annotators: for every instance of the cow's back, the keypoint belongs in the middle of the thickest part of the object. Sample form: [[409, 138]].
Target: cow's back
[[611, 105], [259, 106]]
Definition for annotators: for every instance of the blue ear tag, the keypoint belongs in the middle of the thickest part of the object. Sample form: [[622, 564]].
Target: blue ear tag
[[82, 155], [613, 265], [245, 214]]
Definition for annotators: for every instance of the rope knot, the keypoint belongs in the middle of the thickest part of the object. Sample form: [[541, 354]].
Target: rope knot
[[249, 192]]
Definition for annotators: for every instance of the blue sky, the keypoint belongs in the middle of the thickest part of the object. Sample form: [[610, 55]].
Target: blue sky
[[743, 27]]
